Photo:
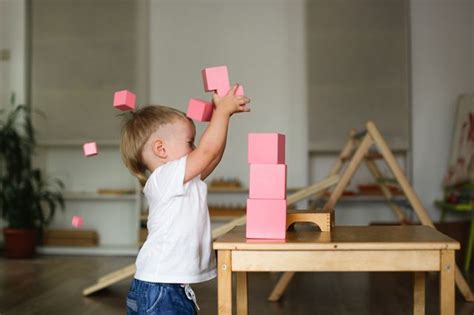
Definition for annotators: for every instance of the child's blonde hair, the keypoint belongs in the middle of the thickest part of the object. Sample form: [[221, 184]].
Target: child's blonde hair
[[137, 128]]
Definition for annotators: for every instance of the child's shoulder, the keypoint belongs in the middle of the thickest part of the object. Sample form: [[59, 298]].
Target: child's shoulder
[[168, 170], [180, 162], [167, 180]]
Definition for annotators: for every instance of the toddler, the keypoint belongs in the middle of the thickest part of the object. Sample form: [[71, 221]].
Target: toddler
[[157, 146]]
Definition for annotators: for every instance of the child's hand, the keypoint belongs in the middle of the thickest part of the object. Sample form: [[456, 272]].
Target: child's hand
[[231, 103]]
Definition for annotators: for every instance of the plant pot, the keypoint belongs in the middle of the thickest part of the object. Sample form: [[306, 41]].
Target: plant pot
[[19, 243]]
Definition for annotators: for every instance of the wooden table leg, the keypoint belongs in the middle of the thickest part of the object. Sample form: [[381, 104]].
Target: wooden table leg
[[224, 282], [242, 294], [446, 283], [419, 293]]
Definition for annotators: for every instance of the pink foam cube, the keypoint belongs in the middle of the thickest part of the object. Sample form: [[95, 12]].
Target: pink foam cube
[[267, 181], [266, 218], [77, 221], [90, 149], [266, 148], [199, 110], [124, 100], [216, 79], [240, 90]]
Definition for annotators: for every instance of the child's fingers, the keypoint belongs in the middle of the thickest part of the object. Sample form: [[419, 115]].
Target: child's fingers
[[244, 108], [233, 89], [243, 100], [215, 97]]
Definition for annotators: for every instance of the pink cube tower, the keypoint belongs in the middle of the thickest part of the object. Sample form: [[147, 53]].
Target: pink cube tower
[[266, 206], [90, 149], [199, 110], [124, 100]]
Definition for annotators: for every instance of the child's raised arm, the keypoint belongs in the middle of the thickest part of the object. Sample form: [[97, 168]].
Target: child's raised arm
[[212, 143]]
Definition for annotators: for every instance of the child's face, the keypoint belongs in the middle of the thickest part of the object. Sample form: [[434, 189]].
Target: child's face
[[181, 142]]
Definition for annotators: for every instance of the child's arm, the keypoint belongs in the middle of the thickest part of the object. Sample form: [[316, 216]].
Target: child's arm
[[212, 144], [214, 163]]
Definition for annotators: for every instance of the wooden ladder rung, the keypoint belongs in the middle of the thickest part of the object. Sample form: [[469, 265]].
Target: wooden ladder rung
[[359, 134], [387, 180], [373, 155]]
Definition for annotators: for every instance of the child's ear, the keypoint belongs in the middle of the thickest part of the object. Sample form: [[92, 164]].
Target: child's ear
[[159, 149]]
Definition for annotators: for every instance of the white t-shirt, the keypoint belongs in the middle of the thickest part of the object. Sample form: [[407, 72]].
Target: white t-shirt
[[178, 248]]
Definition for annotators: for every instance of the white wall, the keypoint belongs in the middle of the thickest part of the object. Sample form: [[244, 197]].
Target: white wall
[[442, 68], [115, 220], [263, 44], [12, 38], [442, 33], [12, 71]]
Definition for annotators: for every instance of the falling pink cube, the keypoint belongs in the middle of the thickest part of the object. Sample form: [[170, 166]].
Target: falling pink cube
[[199, 110], [266, 218], [77, 221], [90, 149], [267, 181], [266, 148], [216, 79], [124, 100]]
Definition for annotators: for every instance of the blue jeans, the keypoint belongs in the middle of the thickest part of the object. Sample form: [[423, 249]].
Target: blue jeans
[[158, 298]]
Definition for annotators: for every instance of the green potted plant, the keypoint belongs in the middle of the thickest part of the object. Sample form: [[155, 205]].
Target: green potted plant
[[27, 200]]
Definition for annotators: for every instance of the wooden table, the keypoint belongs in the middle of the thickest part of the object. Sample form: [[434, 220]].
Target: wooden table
[[415, 249]]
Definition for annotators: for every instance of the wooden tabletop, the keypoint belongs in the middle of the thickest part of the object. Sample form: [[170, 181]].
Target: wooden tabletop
[[416, 237]]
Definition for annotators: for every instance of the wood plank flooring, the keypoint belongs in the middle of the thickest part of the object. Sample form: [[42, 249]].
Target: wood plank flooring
[[53, 285]]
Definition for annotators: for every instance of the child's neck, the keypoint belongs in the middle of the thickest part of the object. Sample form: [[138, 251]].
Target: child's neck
[[155, 164]]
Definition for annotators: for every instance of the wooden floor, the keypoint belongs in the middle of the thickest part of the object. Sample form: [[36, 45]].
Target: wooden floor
[[53, 285]]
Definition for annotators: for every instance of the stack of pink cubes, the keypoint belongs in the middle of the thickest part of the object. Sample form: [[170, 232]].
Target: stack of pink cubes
[[266, 205]]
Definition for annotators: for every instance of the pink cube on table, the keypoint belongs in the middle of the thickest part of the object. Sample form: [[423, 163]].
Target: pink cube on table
[[216, 79], [90, 149], [77, 221], [267, 181], [266, 148], [199, 110], [266, 218], [124, 100]]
